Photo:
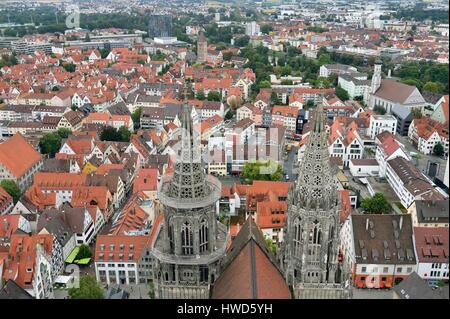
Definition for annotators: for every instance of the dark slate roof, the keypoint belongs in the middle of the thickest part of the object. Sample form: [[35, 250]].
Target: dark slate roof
[[119, 109], [383, 239], [11, 290], [432, 210], [56, 165], [249, 269], [402, 112], [415, 287]]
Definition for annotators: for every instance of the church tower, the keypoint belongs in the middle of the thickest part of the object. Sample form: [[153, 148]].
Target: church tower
[[375, 84], [190, 242], [311, 246], [202, 48]]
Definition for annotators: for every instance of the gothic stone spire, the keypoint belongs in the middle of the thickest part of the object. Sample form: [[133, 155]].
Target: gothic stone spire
[[315, 185], [189, 180]]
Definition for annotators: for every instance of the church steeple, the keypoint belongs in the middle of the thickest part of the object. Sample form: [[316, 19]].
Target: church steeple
[[315, 184], [310, 249], [189, 179]]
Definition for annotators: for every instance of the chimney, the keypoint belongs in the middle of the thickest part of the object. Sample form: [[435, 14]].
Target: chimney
[[401, 222], [367, 223]]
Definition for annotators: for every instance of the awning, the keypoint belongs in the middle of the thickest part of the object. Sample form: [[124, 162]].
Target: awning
[[73, 255], [83, 261]]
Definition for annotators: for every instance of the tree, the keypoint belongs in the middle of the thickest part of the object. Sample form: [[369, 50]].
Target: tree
[[264, 85], [84, 252], [438, 149], [214, 96], [242, 41], [266, 28], [379, 110], [109, 133], [434, 87], [64, 132], [324, 59], [69, 67], [341, 94], [227, 56], [377, 204], [229, 114], [309, 104], [263, 170], [136, 116], [417, 113], [124, 134], [200, 95], [89, 289], [271, 245], [87, 38], [151, 290], [11, 188], [50, 143]]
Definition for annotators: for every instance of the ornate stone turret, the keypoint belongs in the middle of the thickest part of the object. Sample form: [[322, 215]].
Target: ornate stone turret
[[310, 250], [190, 242]]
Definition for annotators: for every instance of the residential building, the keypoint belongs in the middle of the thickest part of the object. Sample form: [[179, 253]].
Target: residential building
[[345, 141], [429, 213], [6, 202], [425, 133], [409, 183], [378, 249], [431, 245], [354, 83], [381, 123], [19, 161], [328, 69], [387, 148]]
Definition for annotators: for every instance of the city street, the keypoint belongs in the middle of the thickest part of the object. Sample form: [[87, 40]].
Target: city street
[[289, 164]]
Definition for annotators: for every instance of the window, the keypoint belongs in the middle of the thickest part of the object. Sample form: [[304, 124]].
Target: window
[[187, 241], [297, 237], [399, 269], [171, 236], [385, 269], [203, 235], [409, 270], [364, 269]]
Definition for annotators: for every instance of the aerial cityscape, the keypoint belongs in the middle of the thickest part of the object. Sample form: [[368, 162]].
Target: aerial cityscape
[[183, 149]]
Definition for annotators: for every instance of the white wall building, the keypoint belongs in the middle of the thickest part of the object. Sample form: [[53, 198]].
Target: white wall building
[[381, 123]]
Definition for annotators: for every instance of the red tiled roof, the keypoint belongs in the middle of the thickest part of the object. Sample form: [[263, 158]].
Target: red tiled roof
[[250, 269], [22, 257], [17, 155], [146, 180], [432, 244]]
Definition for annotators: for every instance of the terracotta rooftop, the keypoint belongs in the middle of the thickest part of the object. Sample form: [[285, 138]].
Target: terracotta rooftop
[[17, 155], [250, 269]]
